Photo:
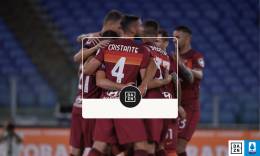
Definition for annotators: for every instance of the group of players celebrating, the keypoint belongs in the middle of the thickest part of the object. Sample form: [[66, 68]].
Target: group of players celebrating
[[112, 63]]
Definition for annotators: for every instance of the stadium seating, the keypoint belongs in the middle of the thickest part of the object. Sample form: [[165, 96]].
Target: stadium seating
[[32, 89], [224, 31]]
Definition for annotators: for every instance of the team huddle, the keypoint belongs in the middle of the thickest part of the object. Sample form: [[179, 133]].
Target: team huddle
[[111, 60]]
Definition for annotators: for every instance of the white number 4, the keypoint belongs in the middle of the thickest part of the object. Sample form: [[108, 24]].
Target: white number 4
[[118, 69]]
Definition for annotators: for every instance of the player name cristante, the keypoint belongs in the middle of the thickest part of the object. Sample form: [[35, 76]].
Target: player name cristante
[[122, 48], [154, 48]]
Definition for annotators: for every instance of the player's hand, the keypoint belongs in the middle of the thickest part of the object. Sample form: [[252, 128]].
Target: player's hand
[[94, 41], [81, 37], [91, 38], [167, 77], [130, 84], [181, 112], [142, 89], [122, 86], [102, 44]]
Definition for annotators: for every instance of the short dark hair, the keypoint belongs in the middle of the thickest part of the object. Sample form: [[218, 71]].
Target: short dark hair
[[127, 20], [151, 28], [184, 29], [151, 24], [164, 33], [110, 33], [113, 15]]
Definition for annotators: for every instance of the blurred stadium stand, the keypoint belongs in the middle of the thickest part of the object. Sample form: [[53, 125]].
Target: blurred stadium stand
[[226, 32], [32, 89], [15, 62]]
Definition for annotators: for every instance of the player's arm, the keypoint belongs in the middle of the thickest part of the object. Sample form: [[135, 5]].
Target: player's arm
[[94, 38], [86, 52], [147, 75], [186, 73], [156, 83], [105, 83], [91, 66], [81, 37], [197, 73], [198, 66]]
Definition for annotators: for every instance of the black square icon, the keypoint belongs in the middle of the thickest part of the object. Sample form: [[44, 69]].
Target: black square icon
[[236, 147], [130, 96]]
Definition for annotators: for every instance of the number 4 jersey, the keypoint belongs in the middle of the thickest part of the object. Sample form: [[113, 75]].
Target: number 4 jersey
[[122, 60]]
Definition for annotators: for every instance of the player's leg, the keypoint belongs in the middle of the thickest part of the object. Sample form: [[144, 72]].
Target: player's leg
[[103, 134], [151, 148], [187, 127], [98, 149], [154, 130], [76, 142], [118, 150], [74, 151], [160, 150], [170, 143], [181, 147], [88, 127], [140, 148], [132, 131]]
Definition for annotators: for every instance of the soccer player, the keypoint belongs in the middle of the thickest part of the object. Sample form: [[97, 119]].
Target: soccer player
[[171, 126], [82, 129], [191, 64], [111, 22], [120, 61], [157, 86]]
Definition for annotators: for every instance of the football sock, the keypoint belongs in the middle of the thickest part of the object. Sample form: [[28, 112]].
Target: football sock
[[116, 149], [140, 153], [94, 152]]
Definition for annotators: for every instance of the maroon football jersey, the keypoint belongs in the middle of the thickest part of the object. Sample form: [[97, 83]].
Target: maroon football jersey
[[162, 62], [86, 84], [122, 60], [190, 92]]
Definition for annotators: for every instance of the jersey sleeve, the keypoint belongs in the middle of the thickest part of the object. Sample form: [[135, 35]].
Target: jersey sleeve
[[146, 57], [198, 61], [100, 54]]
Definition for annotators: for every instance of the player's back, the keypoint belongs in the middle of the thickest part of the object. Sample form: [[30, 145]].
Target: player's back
[[161, 59], [123, 59], [162, 62]]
